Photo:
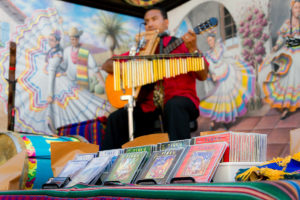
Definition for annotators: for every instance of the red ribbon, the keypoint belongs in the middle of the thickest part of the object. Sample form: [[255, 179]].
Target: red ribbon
[[11, 68]]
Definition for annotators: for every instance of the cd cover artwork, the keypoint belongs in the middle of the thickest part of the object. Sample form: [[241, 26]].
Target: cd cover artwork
[[126, 167], [201, 161], [160, 166]]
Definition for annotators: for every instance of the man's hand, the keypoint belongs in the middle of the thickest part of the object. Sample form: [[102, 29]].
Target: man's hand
[[108, 66], [190, 39]]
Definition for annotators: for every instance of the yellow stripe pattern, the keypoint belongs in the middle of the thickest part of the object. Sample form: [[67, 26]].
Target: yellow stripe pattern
[[138, 72]]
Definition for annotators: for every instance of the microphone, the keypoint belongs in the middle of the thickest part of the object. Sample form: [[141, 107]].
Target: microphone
[[141, 41]]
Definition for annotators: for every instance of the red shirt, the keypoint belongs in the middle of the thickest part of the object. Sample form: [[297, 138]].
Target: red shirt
[[181, 85]]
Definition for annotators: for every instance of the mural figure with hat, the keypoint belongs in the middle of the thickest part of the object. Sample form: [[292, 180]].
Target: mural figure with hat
[[80, 62], [89, 105], [229, 86], [282, 85], [46, 98]]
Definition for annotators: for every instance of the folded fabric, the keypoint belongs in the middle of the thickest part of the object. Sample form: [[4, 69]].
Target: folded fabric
[[276, 169]]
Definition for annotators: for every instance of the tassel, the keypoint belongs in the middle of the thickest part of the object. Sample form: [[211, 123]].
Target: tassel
[[272, 174], [296, 156], [282, 161], [245, 175]]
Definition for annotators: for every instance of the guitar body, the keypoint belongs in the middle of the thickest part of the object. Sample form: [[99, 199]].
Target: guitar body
[[114, 97]]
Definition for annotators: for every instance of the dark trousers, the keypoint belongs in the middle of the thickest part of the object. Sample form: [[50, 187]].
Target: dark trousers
[[178, 112]]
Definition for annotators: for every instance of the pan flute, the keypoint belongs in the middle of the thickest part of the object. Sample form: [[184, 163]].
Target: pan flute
[[135, 71]]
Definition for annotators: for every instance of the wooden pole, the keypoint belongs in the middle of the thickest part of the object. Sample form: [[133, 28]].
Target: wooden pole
[[11, 87]]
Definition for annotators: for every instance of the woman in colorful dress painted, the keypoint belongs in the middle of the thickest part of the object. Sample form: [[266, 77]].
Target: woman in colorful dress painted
[[85, 107], [282, 85], [46, 98], [229, 86]]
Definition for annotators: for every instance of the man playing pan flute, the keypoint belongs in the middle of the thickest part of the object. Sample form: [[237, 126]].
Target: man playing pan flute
[[178, 94]]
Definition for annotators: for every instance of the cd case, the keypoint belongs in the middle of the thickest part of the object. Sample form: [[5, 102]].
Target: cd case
[[72, 168], [126, 167], [200, 162], [160, 167], [91, 173]]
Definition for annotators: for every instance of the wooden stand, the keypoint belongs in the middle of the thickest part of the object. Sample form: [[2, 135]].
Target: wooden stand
[[147, 140], [11, 87]]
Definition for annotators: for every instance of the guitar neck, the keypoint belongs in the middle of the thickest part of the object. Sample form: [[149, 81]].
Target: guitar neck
[[212, 22], [176, 43], [168, 49], [173, 46]]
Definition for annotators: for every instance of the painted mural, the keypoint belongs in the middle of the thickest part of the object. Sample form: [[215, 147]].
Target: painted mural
[[60, 48], [281, 87], [253, 54], [253, 39]]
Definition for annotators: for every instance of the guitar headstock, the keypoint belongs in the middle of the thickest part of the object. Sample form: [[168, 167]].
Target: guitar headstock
[[208, 24]]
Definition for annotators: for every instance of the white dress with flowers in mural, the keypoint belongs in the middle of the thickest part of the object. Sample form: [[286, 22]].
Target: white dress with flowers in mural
[[282, 85], [228, 95]]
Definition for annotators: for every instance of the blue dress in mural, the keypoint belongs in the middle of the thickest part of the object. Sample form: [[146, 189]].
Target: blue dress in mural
[[226, 96], [38, 79]]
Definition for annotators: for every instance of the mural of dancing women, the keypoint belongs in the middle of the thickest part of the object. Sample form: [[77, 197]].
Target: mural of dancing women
[[45, 98], [282, 85], [229, 87]]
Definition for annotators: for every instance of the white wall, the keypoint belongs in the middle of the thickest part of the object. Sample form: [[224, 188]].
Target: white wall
[[4, 17], [235, 7], [10, 15]]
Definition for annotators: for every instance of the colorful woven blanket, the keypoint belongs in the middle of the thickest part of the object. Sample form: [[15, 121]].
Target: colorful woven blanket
[[92, 130], [242, 190]]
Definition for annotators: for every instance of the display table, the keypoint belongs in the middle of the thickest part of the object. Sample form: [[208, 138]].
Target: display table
[[247, 190]]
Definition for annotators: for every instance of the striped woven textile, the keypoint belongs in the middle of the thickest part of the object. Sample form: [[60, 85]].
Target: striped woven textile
[[240, 190], [92, 130], [82, 68]]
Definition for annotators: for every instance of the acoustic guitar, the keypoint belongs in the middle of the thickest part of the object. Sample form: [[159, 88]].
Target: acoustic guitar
[[114, 97]]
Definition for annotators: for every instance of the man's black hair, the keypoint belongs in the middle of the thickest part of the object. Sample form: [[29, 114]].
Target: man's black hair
[[162, 11]]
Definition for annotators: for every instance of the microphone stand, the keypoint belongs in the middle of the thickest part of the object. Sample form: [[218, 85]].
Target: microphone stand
[[131, 103], [130, 98]]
